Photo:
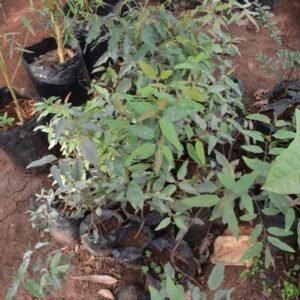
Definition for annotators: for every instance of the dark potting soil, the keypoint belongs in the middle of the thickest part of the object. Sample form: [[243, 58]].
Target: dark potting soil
[[133, 238], [161, 259], [52, 57], [108, 225], [27, 106]]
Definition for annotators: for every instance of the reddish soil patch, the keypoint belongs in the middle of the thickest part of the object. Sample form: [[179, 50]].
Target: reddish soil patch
[[133, 238], [16, 234], [287, 15]]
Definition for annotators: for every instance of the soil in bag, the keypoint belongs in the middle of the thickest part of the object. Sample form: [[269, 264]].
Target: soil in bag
[[51, 78], [21, 142]]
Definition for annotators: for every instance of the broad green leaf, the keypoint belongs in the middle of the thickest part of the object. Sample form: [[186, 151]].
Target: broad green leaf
[[193, 154], [194, 94], [165, 74], [257, 165], [135, 195], [284, 176], [289, 219], [248, 217], [268, 258], [179, 221], [182, 171], [33, 287], [259, 117], [253, 149], [43, 161], [255, 135], [247, 203], [284, 135], [155, 294], [142, 131], [298, 233], [147, 70], [142, 152], [90, 152], [256, 233], [169, 132], [227, 167], [168, 155], [226, 180], [252, 252], [159, 156], [279, 231], [230, 218], [245, 183], [216, 277], [200, 151], [201, 201], [163, 224], [280, 245]]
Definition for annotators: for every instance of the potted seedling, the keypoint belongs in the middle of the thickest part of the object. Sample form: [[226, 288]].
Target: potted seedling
[[17, 118], [57, 68]]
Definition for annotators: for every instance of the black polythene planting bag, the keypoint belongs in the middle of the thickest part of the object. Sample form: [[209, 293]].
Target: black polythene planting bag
[[60, 80], [22, 143]]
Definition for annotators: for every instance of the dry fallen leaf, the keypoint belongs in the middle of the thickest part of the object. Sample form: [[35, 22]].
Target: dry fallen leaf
[[103, 279], [107, 294]]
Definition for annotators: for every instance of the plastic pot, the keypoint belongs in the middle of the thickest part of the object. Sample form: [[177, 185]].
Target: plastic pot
[[106, 239], [66, 230], [130, 248], [22, 143], [58, 79]]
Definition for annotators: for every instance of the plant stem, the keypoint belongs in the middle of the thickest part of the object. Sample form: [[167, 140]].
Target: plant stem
[[11, 90], [57, 21]]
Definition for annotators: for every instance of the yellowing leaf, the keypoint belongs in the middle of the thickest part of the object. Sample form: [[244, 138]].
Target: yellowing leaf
[[147, 70]]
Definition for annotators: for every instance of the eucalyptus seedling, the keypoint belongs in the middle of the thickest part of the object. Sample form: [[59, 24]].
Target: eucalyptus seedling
[[4, 71]]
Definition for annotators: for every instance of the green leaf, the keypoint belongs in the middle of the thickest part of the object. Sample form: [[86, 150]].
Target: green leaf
[[135, 195], [27, 24], [255, 135], [200, 151], [169, 132], [289, 219], [284, 134], [193, 154], [216, 277], [280, 245], [279, 231], [179, 221], [141, 131], [201, 201], [168, 155], [194, 94], [255, 233], [268, 258], [226, 180], [253, 149], [89, 150], [33, 287], [159, 157], [163, 224], [252, 252], [247, 203], [230, 218], [147, 70], [55, 260], [248, 217], [142, 152], [182, 171], [257, 165], [298, 233], [43, 161], [245, 183], [259, 117], [165, 74]]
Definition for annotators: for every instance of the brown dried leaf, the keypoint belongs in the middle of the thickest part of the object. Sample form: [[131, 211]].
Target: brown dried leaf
[[103, 279], [107, 294]]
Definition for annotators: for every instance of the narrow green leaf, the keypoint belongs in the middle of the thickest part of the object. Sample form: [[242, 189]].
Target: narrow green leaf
[[279, 231], [201, 201], [268, 258], [135, 195], [163, 224], [216, 277], [253, 149], [165, 74], [252, 252], [259, 117], [200, 151], [147, 70], [280, 245], [169, 132], [255, 233], [142, 152], [182, 171]]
